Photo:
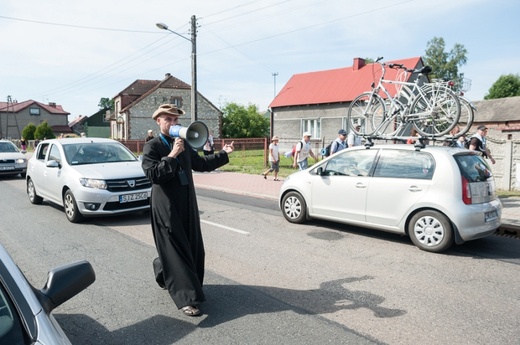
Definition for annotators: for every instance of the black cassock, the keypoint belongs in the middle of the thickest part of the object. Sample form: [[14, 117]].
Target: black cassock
[[175, 217]]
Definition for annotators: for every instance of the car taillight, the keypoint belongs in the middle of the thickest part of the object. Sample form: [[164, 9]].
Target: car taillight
[[466, 191]]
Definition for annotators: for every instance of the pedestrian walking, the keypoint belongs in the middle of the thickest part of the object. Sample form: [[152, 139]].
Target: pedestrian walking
[[168, 163], [274, 159]]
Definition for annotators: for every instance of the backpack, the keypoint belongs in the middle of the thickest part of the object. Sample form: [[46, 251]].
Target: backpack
[[293, 151], [325, 152], [467, 142]]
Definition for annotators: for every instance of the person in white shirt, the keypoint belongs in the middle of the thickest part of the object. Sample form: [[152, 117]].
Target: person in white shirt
[[353, 139], [274, 159], [478, 143], [303, 151]]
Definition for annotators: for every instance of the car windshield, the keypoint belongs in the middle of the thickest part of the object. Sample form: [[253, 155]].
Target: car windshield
[[95, 153], [8, 147]]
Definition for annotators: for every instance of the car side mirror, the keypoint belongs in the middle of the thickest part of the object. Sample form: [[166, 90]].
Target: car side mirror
[[319, 171], [65, 282], [52, 164]]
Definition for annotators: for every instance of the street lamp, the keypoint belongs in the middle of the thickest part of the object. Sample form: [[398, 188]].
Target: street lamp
[[193, 41]]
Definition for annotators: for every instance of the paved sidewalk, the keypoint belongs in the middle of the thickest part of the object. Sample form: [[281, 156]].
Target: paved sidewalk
[[257, 186]]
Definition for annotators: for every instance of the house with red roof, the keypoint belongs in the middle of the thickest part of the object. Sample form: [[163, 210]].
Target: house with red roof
[[317, 102], [134, 106], [15, 116]]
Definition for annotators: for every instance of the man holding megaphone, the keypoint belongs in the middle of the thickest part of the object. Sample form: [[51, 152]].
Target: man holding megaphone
[[168, 162]]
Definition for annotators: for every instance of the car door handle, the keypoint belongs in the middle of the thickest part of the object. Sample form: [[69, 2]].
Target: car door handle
[[360, 185], [414, 189]]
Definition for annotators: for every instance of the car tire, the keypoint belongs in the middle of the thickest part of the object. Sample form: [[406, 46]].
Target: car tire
[[34, 198], [294, 207], [431, 231], [71, 208]]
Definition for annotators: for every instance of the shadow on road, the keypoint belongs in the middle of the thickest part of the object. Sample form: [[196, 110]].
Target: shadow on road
[[227, 303]]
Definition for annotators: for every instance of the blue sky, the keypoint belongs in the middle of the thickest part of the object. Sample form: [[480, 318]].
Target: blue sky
[[74, 54]]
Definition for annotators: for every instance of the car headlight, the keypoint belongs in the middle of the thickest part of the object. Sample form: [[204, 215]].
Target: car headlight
[[20, 160], [93, 183]]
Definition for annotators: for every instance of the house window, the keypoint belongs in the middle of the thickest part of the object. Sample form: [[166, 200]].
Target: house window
[[312, 126], [177, 101], [34, 111]]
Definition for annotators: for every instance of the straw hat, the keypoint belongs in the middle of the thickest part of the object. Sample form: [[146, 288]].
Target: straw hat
[[167, 109]]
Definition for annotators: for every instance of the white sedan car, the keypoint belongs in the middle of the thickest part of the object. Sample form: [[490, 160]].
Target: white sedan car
[[12, 161], [436, 195], [88, 177]]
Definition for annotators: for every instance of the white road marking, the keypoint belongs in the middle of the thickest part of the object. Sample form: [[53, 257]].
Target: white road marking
[[225, 227]]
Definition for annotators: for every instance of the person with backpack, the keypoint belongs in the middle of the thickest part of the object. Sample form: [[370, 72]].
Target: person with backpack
[[303, 151], [340, 143], [478, 143]]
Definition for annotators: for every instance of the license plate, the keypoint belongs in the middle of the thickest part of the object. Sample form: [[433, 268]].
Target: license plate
[[490, 216], [133, 197], [6, 168]]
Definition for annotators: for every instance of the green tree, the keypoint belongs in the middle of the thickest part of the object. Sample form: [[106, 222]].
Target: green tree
[[242, 122], [445, 65], [106, 103], [506, 86], [43, 131], [28, 131]]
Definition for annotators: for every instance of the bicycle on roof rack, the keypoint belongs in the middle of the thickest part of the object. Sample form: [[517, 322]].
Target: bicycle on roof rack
[[467, 114], [432, 109]]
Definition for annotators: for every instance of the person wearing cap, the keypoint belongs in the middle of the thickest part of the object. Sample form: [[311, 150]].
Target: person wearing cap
[[149, 136], [168, 163], [353, 139], [478, 142], [303, 151], [340, 143], [274, 159]]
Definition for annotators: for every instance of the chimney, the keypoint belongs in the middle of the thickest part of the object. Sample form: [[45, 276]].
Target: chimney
[[167, 75], [52, 104], [358, 63]]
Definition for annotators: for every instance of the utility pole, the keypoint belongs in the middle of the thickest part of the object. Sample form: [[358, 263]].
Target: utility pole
[[274, 75], [193, 41], [193, 68], [7, 125]]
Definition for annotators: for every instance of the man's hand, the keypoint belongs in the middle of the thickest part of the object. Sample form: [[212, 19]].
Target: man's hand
[[178, 147], [229, 148]]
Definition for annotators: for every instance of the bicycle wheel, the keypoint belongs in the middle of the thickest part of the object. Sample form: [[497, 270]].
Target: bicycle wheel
[[366, 110], [435, 112], [467, 113]]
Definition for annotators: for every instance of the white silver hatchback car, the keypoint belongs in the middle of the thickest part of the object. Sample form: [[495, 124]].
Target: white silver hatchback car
[[88, 177], [436, 195]]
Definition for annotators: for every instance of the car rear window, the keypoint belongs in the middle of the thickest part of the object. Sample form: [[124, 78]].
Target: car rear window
[[405, 164], [473, 167]]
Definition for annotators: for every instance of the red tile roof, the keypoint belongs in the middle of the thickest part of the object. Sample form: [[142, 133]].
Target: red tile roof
[[335, 85], [140, 89], [17, 107]]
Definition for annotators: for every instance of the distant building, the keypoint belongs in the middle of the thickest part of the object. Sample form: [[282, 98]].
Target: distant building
[[134, 106], [96, 125], [317, 102], [15, 116]]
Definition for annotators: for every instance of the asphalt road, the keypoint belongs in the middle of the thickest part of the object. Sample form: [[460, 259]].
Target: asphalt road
[[268, 281]]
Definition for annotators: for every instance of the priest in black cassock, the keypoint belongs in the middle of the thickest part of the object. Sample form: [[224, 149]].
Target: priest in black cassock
[[168, 163]]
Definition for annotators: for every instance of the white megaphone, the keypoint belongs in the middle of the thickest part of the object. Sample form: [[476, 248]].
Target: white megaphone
[[196, 134]]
